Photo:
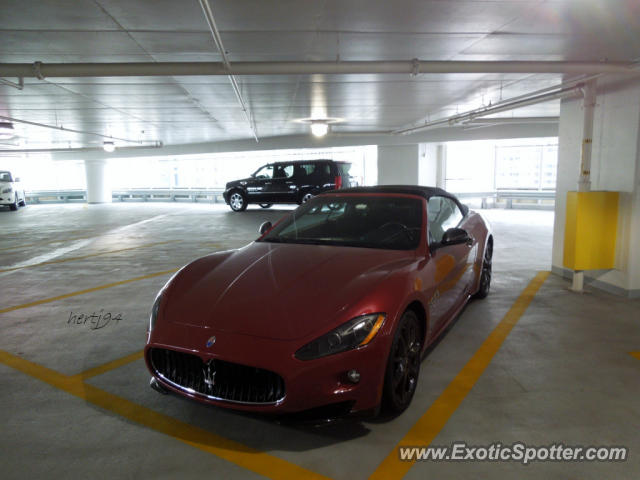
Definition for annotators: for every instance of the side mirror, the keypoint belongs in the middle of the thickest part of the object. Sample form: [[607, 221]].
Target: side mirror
[[264, 228], [455, 236], [17, 179]]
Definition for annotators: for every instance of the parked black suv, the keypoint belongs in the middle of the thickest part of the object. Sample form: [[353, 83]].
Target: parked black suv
[[287, 182]]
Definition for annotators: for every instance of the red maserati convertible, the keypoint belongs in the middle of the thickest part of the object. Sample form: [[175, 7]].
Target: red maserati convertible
[[331, 307]]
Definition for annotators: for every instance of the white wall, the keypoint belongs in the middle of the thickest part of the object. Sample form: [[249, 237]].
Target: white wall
[[615, 167]]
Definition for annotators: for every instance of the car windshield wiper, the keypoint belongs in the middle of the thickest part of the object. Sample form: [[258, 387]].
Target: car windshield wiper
[[306, 241], [272, 240], [310, 241]]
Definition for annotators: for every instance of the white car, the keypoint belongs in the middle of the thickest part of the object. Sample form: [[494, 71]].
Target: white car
[[11, 191]]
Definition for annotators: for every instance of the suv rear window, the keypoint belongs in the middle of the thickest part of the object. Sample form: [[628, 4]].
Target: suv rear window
[[343, 169]]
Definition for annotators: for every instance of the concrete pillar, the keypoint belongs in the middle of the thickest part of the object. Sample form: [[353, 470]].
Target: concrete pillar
[[98, 185], [432, 164], [398, 164], [615, 166]]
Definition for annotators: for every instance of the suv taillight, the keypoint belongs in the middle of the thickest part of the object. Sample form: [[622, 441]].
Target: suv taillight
[[338, 182]]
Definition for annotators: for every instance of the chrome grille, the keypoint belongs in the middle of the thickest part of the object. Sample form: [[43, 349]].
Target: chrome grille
[[217, 380]]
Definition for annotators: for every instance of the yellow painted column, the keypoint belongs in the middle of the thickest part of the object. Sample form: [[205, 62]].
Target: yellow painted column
[[591, 230]]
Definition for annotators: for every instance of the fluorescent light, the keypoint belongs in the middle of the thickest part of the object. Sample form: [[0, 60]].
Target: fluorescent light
[[109, 147], [319, 129]]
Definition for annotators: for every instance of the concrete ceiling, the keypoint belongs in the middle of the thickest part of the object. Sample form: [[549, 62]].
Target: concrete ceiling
[[201, 109]]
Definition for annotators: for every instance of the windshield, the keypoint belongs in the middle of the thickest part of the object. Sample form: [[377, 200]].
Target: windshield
[[384, 222], [5, 177]]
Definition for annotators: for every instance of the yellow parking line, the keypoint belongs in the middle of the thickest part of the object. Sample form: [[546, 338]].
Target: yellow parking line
[[88, 290], [44, 242], [635, 354], [209, 244], [120, 362], [63, 260], [436, 417], [232, 451]]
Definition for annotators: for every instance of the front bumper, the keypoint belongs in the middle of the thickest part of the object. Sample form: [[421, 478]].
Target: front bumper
[[7, 198], [308, 384]]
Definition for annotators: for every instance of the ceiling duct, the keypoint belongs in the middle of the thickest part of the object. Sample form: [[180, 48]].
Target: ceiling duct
[[47, 70]]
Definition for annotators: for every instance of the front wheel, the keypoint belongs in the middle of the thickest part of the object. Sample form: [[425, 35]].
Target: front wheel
[[14, 205], [485, 274], [403, 365], [238, 201], [23, 203]]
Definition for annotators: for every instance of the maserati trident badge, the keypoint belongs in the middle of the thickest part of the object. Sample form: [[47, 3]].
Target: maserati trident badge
[[209, 373], [210, 342]]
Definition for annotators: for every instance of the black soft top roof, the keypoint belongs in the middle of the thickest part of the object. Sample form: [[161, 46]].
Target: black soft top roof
[[425, 192], [311, 160]]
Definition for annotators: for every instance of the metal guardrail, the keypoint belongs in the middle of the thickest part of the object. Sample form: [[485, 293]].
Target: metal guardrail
[[134, 195], [510, 195], [56, 196], [214, 195], [171, 195]]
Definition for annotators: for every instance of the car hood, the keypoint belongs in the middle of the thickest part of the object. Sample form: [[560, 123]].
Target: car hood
[[277, 291], [235, 183]]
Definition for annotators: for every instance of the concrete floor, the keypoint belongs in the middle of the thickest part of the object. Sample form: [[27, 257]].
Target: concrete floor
[[563, 375]]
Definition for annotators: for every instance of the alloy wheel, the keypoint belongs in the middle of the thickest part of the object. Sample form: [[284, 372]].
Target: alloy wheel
[[236, 201], [485, 275], [406, 363]]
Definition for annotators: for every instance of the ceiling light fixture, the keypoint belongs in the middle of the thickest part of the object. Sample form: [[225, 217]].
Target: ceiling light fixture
[[319, 129], [109, 147], [319, 126]]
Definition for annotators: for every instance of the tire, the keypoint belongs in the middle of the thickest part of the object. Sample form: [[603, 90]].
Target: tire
[[238, 201], [266, 205], [23, 203], [305, 198], [485, 273], [403, 365], [14, 205]]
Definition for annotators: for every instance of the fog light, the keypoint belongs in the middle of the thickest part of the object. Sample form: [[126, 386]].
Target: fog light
[[353, 376]]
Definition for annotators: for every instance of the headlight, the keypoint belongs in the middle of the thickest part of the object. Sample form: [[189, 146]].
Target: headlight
[[154, 311], [353, 334], [7, 190], [156, 304]]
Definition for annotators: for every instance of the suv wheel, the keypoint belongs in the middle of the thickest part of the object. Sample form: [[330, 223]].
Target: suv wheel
[[238, 201], [306, 198], [14, 205]]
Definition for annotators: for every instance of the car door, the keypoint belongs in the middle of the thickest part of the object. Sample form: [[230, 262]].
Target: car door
[[258, 183], [304, 177], [282, 188], [451, 262]]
